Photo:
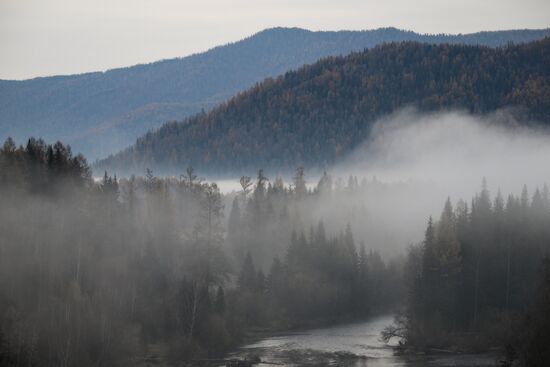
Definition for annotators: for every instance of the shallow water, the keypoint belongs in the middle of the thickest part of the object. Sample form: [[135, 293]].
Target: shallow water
[[356, 344]]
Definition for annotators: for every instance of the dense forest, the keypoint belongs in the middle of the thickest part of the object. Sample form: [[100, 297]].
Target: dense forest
[[152, 270], [147, 270], [274, 196], [481, 278], [103, 112], [314, 116]]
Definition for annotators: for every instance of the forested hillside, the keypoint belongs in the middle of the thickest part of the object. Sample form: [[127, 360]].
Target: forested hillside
[[317, 114], [103, 112]]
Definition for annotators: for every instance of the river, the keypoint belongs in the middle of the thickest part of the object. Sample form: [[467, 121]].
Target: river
[[354, 345]]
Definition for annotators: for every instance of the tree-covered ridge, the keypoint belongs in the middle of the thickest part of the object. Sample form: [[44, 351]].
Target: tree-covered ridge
[[100, 113], [317, 114]]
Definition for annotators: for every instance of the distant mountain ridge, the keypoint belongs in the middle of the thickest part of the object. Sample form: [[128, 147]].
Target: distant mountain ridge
[[102, 112], [319, 113]]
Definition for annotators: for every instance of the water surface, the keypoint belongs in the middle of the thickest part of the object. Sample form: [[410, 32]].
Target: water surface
[[356, 344]]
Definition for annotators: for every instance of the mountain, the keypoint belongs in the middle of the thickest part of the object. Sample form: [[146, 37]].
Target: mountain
[[317, 114], [102, 112]]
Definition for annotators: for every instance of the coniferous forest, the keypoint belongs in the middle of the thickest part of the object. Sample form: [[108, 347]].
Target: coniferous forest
[[109, 272], [250, 193], [127, 271], [480, 278], [318, 114]]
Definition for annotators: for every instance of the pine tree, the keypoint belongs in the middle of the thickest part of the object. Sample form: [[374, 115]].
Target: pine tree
[[430, 269], [248, 276], [351, 250], [150, 180], [448, 247], [234, 222], [300, 189], [260, 189], [324, 186], [449, 263], [430, 264]]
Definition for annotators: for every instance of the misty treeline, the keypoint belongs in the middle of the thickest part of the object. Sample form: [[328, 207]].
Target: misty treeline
[[481, 278], [134, 271]]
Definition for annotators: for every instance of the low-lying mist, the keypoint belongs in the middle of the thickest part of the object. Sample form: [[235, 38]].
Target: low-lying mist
[[412, 162], [454, 150], [177, 261]]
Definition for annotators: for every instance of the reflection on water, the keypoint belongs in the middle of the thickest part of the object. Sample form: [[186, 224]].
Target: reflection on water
[[355, 344]]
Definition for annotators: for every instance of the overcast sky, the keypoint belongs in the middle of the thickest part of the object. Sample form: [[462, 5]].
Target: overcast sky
[[46, 37]]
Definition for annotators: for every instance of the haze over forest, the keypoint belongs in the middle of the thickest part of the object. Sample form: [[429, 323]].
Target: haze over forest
[[384, 192]]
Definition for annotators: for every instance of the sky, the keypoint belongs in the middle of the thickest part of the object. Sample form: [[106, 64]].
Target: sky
[[50, 37]]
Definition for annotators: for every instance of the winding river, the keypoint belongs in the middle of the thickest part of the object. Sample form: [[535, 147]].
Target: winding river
[[356, 344]]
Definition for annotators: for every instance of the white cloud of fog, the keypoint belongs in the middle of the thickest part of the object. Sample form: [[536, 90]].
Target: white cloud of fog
[[419, 160], [455, 150]]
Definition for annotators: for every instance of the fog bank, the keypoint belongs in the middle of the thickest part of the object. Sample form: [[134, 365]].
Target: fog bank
[[454, 150], [414, 161]]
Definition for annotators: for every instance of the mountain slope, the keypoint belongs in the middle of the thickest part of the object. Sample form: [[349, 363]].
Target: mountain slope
[[100, 113], [317, 114]]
